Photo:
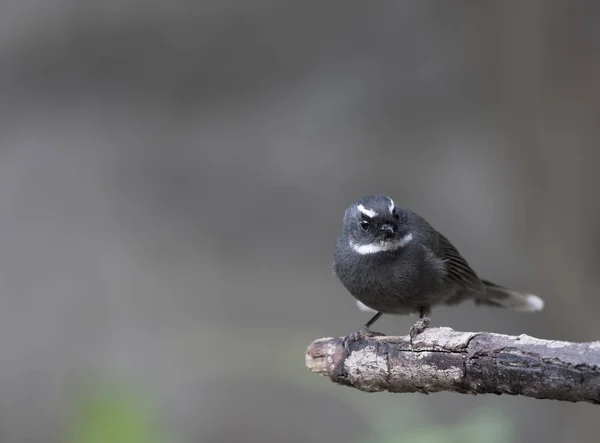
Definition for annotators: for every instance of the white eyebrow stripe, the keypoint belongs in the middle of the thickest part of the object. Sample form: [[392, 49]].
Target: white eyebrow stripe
[[392, 205], [374, 248], [367, 212]]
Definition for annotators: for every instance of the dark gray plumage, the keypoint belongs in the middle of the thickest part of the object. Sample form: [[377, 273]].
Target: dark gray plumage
[[394, 262]]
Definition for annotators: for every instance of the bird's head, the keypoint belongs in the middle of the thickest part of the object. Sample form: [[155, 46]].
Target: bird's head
[[374, 224]]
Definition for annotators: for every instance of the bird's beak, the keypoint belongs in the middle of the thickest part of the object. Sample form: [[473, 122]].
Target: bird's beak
[[388, 228]]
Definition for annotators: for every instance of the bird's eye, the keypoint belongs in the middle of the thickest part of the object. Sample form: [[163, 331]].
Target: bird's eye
[[364, 225], [396, 216]]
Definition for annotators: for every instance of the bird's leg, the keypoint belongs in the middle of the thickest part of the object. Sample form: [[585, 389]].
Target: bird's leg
[[421, 324], [373, 320], [362, 333]]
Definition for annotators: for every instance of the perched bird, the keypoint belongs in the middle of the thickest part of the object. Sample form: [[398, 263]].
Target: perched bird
[[394, 262]]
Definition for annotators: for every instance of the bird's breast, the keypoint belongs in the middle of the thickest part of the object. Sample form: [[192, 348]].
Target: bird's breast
[[383, 282]]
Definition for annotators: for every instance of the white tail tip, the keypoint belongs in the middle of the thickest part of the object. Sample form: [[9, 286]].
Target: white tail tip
[[534, 303]]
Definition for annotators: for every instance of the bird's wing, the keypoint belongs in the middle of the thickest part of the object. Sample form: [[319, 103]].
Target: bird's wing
[[457, 268]]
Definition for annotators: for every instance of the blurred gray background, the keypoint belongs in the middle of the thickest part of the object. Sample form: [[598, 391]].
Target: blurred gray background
[[173, 177]]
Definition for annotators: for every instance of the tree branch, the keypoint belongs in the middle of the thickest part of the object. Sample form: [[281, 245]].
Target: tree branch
[[467, 362]]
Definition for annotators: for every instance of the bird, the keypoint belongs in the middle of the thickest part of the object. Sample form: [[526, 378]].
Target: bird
[[392, 261]]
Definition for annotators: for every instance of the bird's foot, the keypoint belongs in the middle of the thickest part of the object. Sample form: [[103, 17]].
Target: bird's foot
[[417, 328], [359, 335]]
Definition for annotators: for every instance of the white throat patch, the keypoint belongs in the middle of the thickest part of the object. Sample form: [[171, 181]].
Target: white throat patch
[[374, 248], [367, 212]]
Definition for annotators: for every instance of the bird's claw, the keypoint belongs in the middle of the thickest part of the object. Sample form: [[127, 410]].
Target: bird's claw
[[420, 325], [359, 335]]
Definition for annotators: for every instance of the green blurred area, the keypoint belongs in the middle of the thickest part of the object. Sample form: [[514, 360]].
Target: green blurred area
[[112, 412]]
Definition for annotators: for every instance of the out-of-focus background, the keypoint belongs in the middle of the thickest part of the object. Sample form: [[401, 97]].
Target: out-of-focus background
[[173, 177]]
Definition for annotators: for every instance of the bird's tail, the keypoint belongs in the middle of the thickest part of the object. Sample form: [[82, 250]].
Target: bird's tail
[[507, 298]]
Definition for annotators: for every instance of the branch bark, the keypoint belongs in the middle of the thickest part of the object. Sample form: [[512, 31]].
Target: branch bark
[[442, 359]]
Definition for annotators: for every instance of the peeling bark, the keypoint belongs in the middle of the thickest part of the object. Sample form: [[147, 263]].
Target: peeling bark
[[442, 359]]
